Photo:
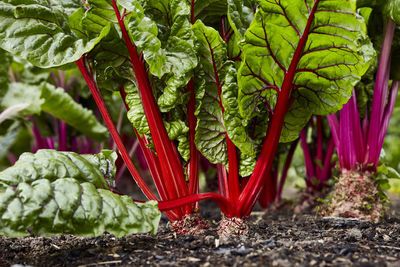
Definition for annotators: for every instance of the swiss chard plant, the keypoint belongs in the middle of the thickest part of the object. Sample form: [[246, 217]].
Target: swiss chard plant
[[359, 129], [227, 79]]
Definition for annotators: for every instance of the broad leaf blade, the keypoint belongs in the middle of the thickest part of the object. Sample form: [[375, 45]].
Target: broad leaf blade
[[52, 165], [210, 131], [39, 32], [326, 69], [67, 206], [392, 10], [47, 98]]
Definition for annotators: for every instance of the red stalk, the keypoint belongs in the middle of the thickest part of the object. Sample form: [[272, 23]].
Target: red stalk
[[388, 113], [380, 92], [320, 145], [358, 135], [251, 192], [192, 12], [307, 155], [113, 130], [285, 169], [327, 163], [222, 180], [170, 166], [193, 166], [152, 163]]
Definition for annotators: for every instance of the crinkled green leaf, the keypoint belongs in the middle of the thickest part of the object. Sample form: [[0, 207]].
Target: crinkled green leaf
[[234, 123], [39, 32], [325, 72], [240, 15], [246, 135], [144, 33], [97, 15], [210, 131], [167, 42], [247, 164], [105, 162], [52, 165], [392, 10], [67, 6], [178, 130], [136, 113], [66, 206]]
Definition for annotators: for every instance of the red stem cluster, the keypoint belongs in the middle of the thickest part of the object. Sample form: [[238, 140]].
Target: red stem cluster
[[236, 197]]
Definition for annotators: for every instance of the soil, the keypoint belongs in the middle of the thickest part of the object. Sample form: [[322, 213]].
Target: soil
[[274, 239]]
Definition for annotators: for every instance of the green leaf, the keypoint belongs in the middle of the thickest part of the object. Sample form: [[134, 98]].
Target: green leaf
[[57, 102], [328, 66], [136, 113], [210, 136], [111, 61], [392, 173], [66, 206], [39, 32], [382, 169], [51, 165], [144, 33], [9, 139], [240, 15], [105, 162], [247, 136], [177, 130], [392, 10], [27, 95], [167, 42], [98, 15]]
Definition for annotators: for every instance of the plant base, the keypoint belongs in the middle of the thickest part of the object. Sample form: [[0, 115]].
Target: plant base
[[192, 224], [356, 195], [232, 227]]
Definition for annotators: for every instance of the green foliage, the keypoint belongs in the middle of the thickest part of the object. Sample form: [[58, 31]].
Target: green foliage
[[45, 97], [54, 192], [392, 10], [326, 71], [210, 131], [39, 32]]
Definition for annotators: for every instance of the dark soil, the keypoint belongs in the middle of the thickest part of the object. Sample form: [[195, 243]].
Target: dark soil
[[275, 239]]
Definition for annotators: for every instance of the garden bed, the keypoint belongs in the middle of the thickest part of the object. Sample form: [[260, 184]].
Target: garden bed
[[275, 239]]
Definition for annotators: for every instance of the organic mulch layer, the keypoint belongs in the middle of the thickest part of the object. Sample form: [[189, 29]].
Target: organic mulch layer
[[275, 239]]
